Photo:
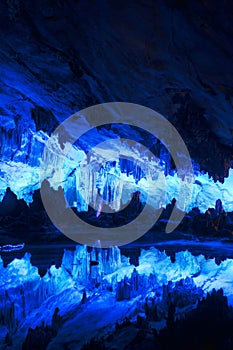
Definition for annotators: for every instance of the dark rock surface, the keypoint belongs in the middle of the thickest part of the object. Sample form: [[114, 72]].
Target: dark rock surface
[[57, 57]]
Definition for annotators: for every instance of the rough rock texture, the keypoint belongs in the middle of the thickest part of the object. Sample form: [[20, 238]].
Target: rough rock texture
[[57, 57], [94, 289]]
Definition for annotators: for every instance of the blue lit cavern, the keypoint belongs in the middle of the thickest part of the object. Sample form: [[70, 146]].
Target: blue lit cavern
[[116, 228]]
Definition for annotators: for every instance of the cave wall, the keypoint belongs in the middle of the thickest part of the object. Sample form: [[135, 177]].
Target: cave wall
[[57, 57]]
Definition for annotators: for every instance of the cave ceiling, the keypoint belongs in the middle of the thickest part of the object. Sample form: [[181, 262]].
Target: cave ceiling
[[58, 57]]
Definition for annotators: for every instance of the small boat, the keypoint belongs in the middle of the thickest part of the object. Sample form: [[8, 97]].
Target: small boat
[[11, 247]]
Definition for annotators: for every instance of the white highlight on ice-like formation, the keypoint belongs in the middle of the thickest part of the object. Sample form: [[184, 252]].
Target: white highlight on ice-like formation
[[27, 300], [21, 278], [23, 178]]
